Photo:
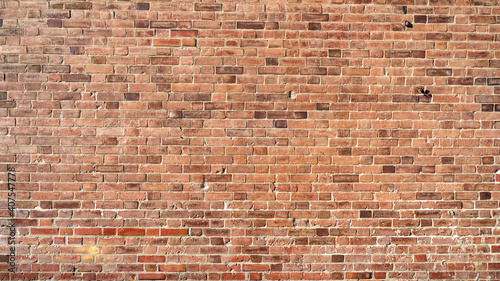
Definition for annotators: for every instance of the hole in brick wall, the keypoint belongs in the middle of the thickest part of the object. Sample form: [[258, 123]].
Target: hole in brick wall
[[204, 185], [425, 92]]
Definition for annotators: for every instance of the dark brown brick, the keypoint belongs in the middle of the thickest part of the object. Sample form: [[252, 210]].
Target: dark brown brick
[[142, 6], [344, 151], [428, 196], [76, 77], [365, 214], [315, 17], [487, 160], [322, 106], [280, 124], [272, 61], [250, 25], [484, 195], [208, 7], [494, 63], [487, 107], [66, 204], [388, 169], [314, 26], [420, 19], [358, 275], [132, 96], [336, 53]]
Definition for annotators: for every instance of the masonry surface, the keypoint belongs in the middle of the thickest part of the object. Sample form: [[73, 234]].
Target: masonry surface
[[257, 140]]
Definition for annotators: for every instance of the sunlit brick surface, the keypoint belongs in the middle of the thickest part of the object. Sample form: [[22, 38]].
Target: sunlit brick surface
[[233, 140]]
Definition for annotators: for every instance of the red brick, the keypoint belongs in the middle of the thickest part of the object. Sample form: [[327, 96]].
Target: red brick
[[131, 231], [229, 70], [78, 5], [172, 267], [183, 33], [484, 2], [345, 178], [88, 231], [438, 72], [441, 275], [358, 275], [209, 7], [76, 78], [460, 81], [151, 276], [163, 24], [166, 140], [315, 17], [174, 232], [151, 259]]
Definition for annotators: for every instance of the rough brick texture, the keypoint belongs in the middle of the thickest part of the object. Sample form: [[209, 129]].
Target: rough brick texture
[[252, 140]]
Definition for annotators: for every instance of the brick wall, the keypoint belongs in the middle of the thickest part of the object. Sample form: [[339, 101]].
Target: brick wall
[[271, 140]]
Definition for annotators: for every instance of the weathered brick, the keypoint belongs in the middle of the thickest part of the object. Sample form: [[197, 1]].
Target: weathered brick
[[440, 19], [250, 25], [358, 275], [165, 60], [11, 31], [229, 70], [163, 24], [78, 5], [183, 33], [56, 68], [8, 104], [345, 178], [315, 17], [131, 231], [484, 2], [76, 77], [208, 7], [438, 72], [142, 6], [167, 140], [173, 232], [460, 81]]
